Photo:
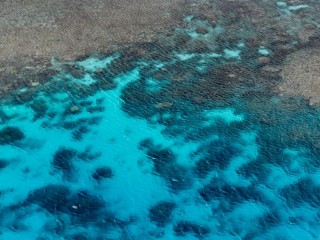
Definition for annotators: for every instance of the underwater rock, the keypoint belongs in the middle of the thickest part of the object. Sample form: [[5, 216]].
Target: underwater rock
[[88, 155], [263, 60], [270, 71], [95, 109], [74, 109], [215, 155], [304, 191], [4, 118], [3, 163], [78, 236], [209, 163], [72, 124], [236, 11], [217, 82], [85, 206], [10, 135], [160, 157], [104, 80], [78, 133], [163, 105], [99, 70], [62, 160], [161, 213], [94, 120], [139, 103], [102, 173], [39, 107], [146, 143], [81, 122], [281, 38], [216, 190], [35, 84], [254, 169], [53, 197], [183, 228], [75, 70], [177, 177], [270, 219], [164, 161], [215, 159], [85, 103], [307, 32], [202, 31], [205, 14]]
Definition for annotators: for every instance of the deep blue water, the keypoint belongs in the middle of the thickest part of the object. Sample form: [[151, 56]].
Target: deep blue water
[[158, 143]]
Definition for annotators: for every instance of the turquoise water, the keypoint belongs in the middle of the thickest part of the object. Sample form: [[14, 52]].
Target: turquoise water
[[158, 143]]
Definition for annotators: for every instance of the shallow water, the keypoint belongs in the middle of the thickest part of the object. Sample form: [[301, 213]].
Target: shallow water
[[168, 144]]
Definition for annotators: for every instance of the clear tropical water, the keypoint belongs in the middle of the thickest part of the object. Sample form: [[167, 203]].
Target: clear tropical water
[[160, 142]]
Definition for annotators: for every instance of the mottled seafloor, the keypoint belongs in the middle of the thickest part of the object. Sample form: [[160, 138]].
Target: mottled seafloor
[[210, 132]]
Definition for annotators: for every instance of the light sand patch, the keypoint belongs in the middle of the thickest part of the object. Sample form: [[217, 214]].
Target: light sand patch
[[301, 75], [71, 28]]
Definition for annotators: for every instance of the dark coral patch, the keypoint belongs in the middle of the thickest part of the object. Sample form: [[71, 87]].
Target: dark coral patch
[[177, 177], [77, 134], [95, 109], [216, 156], [270, 220], [164, 162], [255, 169], [161, 213], [102, 173], [94, 120], [183, 228], [216, 190], [78, 236], [3, 163], [10, 135], [82, 206], [206, 164], [304, 191], [39, 107], [88, 155], [53, 197], [161, 158], [62, 160]]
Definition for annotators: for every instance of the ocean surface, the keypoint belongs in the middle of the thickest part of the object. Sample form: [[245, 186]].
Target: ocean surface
[[163, 140]]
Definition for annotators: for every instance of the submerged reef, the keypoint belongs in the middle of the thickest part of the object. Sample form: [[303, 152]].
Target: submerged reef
[[62, 160], [101, 173], [161, 213], [183, 228], [209, 131], [10, 135]]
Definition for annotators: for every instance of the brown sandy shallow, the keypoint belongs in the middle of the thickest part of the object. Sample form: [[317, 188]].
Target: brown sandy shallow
[[72, 28], [34, 31], [301, 75]]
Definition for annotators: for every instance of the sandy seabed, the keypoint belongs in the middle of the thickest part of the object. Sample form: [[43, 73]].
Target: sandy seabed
[[69, 29]]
